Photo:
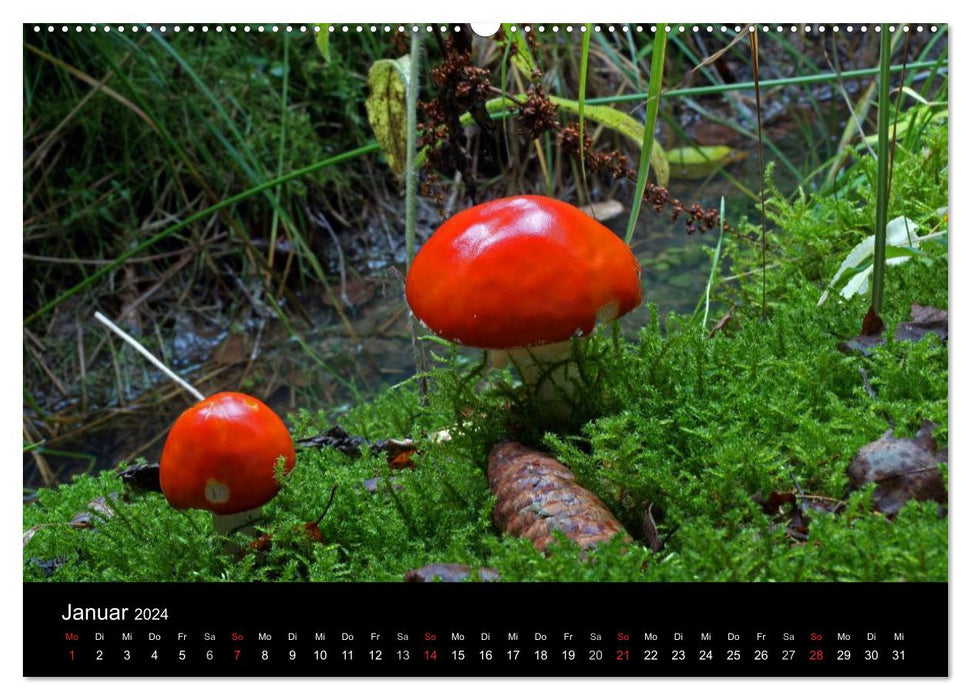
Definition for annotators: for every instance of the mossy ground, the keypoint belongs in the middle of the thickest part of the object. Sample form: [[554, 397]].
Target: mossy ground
[[696, 426]]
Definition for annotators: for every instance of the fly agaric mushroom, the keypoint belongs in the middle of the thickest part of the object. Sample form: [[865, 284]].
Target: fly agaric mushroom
[[221, 455], [522, 276]]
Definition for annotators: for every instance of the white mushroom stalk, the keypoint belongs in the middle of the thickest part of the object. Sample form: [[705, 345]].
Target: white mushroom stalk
[[548, 370], [242, 522]]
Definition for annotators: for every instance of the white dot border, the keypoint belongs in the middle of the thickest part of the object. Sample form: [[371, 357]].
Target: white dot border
[[820, 29]]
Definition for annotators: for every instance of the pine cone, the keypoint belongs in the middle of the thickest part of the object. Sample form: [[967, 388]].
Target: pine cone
[[537, 495]]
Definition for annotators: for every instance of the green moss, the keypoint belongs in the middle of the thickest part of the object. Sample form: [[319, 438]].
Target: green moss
[[696, 427]]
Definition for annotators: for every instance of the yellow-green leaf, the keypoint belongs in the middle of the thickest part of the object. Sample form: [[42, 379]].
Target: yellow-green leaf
[[522, 58], [609, 117], [387, 110], [624, 124], [694, 162], [915, 117]]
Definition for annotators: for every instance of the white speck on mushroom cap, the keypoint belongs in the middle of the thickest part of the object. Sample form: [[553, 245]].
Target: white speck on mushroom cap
[[216, 491]]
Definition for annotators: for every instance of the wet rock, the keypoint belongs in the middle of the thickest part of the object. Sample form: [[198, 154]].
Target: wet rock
[[48, 566], [448, 573], [373, 485], [142, 477]]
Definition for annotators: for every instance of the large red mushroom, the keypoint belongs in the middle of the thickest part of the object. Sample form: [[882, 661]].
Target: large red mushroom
[[222, 454], [522, 276]]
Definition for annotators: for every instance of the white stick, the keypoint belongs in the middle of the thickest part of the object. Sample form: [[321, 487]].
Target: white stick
[[149, 356]]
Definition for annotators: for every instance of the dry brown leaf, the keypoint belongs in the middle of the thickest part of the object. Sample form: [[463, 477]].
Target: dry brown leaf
[[871, 335], [923, 320], [352, 445], [651, 535], [101, 511], [29, 534], [298, 378], [357, 292], [231, 351], [902, 469], [722, 322]]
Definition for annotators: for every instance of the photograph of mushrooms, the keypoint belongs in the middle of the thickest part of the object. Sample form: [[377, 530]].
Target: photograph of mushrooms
[[559, 302]]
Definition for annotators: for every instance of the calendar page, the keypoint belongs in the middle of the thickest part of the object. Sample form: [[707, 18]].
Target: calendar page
[[385, 349]]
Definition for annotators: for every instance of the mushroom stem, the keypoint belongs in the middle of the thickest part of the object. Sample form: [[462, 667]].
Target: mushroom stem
[[548, 370], [232, 523]]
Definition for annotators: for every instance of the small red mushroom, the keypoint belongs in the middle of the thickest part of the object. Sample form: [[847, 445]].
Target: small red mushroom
[[523, 275], [222, 454]]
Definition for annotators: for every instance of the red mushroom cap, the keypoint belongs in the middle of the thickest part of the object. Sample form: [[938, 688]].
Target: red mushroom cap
[[221, 455], [519, 272]]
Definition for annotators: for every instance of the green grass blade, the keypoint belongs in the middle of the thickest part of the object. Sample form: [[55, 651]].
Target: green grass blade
[[248, 162], [714, 266], [883, 171], [632, 47], [647, 147], [228, 202], [275, 223], [411, 167], [581, 100], [828, 77], [411, 197], [322, 32], [754, 44], [854, 125], [522, 57]]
